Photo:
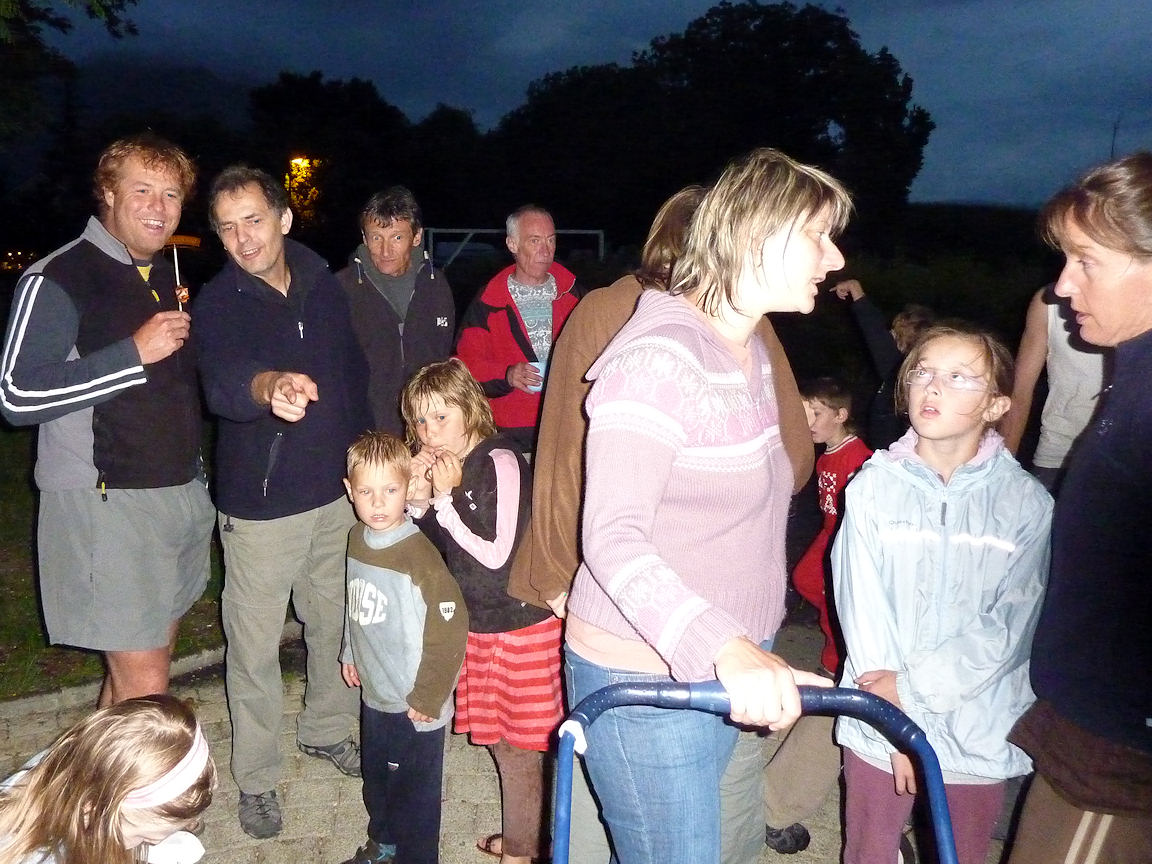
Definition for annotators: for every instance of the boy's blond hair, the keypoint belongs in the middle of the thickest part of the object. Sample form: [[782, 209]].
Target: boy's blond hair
[[452, 382], [380, 448]]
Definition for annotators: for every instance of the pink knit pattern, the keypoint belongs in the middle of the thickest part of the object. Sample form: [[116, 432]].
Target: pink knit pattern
[[687, 491]]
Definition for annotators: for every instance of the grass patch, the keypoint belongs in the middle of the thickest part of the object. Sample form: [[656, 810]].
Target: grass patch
[[28, 664]]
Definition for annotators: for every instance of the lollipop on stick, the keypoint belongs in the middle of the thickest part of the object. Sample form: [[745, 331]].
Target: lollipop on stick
[[181, 289]]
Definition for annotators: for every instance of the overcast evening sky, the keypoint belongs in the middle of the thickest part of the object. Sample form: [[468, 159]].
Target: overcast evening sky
[[1025, 93]]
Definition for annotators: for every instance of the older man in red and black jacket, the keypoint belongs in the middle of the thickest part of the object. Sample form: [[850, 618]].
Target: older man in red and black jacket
[[508, 331]]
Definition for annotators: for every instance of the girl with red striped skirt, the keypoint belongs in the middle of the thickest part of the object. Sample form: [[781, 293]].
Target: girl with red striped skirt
[[470, 494]]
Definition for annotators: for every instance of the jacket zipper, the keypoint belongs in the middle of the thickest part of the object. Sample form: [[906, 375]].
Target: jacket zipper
[[273, 453]]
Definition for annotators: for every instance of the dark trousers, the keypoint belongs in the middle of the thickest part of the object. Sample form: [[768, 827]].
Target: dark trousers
[[403, 771], [874, 814]]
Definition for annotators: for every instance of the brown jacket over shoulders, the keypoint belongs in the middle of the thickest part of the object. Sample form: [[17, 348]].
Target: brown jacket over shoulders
[[549, 552]]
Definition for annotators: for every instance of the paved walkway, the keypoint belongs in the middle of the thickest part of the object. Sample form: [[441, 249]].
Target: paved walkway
[[324, 818]]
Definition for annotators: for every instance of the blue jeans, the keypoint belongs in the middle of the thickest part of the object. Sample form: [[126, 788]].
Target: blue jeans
[[656, 771]]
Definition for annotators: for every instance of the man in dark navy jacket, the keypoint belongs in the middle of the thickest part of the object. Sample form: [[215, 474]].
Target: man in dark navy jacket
[[282, 370]]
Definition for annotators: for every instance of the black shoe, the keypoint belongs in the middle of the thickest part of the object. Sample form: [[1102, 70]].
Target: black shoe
[[260, 815], [787, 841], [345, 755]]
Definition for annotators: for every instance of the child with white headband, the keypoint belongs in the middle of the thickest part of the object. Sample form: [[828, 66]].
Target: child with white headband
[[123, 785]]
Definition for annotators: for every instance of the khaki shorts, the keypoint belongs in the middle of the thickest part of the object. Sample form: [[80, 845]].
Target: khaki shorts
[[115, 574]]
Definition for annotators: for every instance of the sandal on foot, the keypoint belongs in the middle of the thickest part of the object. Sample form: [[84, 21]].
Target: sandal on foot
[[492, 845]]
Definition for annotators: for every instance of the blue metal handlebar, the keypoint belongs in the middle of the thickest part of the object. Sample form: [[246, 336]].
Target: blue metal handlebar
[[710, 696]]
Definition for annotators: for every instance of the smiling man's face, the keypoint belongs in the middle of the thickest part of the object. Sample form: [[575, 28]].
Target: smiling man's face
[[142, 210]]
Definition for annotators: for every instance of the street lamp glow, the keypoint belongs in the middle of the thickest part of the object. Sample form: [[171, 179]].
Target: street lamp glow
[[300, 182]]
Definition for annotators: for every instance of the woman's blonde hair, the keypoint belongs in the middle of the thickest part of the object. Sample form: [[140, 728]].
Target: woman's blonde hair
[[71, 803], [756, 197], [450, 381], [997, 358]]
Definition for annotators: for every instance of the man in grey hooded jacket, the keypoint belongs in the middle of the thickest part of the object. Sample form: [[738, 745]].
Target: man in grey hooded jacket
[[402, 307]]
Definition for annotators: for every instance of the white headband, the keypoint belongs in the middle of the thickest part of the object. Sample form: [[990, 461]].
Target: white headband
[[174, 783]]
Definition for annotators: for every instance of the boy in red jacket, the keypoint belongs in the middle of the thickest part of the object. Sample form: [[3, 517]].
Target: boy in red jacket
[[829, 407]]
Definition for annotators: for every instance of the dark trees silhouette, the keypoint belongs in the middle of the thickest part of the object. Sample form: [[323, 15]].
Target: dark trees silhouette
[[447, 169], [589, 143], [30, 65], [353, 134], [604, 145], [362, 143], [601, 145], [741, 76]]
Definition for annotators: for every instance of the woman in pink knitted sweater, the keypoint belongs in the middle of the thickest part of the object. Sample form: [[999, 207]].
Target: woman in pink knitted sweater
[[685, 505]]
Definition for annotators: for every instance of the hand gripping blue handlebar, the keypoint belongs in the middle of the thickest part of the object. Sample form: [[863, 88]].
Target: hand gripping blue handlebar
[[710, 696]]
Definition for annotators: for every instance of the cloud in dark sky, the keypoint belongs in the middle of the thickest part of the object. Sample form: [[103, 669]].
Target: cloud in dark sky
[[1024, 94]]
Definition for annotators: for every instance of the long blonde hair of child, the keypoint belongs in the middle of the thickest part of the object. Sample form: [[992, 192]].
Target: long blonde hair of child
[[71, 803], [450, 381]]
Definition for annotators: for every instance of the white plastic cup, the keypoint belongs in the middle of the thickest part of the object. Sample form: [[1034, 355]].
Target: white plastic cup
[[540, 366]]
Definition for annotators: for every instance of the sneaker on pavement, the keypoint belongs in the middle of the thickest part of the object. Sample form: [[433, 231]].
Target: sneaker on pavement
[[787, 841], [373, 853], [260, 815], [345, 755]]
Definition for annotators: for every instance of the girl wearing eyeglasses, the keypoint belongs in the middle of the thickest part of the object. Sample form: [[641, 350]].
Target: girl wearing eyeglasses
[[938, 573]]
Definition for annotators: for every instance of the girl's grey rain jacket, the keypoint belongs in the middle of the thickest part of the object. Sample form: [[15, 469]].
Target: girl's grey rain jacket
[[943, 583]]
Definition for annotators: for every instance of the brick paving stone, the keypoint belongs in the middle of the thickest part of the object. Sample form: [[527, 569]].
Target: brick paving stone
[[324, 817]]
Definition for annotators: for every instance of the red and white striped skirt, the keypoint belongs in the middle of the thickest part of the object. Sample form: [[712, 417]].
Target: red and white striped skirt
[[510, 686]]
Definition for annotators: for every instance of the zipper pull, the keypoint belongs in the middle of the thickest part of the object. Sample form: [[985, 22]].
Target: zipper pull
[[300, 326]]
